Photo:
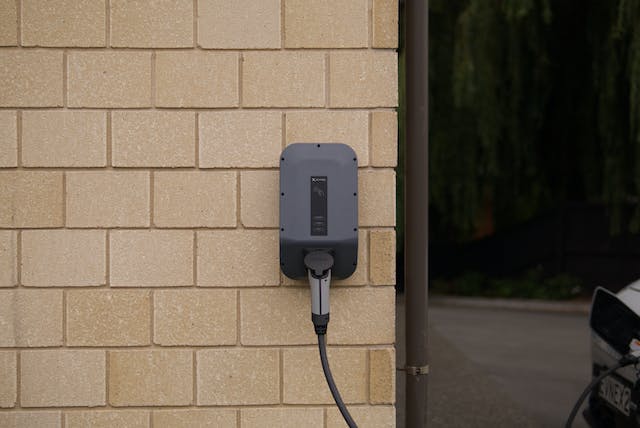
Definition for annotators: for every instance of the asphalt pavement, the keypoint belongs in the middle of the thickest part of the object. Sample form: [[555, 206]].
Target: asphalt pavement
[[493, 367]]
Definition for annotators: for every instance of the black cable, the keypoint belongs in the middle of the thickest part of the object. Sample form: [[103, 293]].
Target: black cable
[[322, 345], [624, 362]]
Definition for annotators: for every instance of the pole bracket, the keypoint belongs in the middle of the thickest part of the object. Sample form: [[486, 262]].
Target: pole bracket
[[417, 370]]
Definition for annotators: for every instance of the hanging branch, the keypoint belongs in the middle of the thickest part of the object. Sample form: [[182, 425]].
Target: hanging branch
[[533, 103]]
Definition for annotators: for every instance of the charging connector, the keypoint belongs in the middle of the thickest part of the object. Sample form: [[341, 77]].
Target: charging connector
[[319, 264]]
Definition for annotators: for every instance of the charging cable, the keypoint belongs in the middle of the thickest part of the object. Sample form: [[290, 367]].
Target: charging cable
[[319, 265], [627, 360]]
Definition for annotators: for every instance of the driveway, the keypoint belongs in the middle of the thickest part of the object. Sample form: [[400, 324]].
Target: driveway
[[501, 368]]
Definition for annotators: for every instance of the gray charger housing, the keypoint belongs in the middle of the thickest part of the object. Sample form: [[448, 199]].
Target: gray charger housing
[[318, 207]]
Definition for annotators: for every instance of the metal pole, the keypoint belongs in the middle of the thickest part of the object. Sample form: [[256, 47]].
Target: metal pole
[[416, 210]]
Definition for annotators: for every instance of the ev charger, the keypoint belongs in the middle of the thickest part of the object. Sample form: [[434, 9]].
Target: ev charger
[[318, 218], [318, 207], [319, 228]]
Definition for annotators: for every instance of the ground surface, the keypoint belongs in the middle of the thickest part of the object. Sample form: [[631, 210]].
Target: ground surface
[[501, 368]]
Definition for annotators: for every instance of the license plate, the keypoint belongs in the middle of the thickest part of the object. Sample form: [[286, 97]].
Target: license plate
[[615, 393]]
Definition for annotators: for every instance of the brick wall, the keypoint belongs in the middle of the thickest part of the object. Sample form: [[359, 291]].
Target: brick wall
[[139, 145]]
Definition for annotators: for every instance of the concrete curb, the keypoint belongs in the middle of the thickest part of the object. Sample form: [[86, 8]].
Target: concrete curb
[[511, 304]]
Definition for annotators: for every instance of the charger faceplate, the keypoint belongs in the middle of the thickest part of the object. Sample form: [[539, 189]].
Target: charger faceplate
[[318, 206]]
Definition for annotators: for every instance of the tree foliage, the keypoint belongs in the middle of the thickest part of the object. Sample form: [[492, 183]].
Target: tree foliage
[[532, 103]]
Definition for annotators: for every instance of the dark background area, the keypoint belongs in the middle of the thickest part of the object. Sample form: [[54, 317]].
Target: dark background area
[[534, 146], [573, 239]]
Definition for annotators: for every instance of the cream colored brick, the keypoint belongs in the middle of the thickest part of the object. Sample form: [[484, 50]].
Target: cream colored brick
[[63, 23], [8, 378], [382, 381], [108, 317], [161, 24], [151, 378], [353, 320], [259, 198], [30, 318], [276, 317], [231, 139], [326, 24], [377, 198], [238, 376], [8, 258], [383, 257], [363, 79], [64, 138], [195, 317], [150, 258], [60, 378], [240, 24], [8, 23], [107, 419], [8, 137], [240, 139], [31, 420], [304, 381], [385, 23], [30, 78], [236, 258], [283, 79], [31, 199], [347, 127], [153, 138], [108, 199], [364, 416], [202, 418], [109, 79], [197, 79], [195, 199], [282, 417], [384, 138], [57, 258]]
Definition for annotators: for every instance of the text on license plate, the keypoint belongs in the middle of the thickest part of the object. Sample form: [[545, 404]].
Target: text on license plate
[[615, 393]]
